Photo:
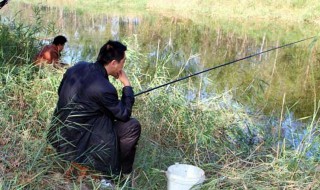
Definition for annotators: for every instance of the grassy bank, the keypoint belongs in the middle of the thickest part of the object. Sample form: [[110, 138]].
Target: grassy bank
[[237, 147], [284, 11]]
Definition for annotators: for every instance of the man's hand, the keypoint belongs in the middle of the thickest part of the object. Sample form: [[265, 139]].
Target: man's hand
[[122, 76]]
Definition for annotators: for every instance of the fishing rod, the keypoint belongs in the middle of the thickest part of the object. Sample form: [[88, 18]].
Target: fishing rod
[[222, 65]]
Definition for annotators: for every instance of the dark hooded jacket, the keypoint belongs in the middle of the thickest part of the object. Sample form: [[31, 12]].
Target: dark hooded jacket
[[82, 126]]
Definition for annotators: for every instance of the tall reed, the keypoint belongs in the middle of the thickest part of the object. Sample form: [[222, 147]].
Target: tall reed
[[237, 147]]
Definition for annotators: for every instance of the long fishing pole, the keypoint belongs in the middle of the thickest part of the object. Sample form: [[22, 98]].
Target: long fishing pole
[[222, 65]]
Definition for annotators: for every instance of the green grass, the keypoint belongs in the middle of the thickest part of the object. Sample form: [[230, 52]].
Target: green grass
[[235, 148], [238, 148], [239, 28], [280, 10], [257, 18], [211, 133], [95, 7]]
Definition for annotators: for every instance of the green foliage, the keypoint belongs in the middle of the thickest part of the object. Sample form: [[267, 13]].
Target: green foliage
[[238, 148], [20, 41], [214, 133], [96, 6]]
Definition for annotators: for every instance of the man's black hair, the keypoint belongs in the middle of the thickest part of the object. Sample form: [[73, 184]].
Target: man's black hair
[[3, 3], [112, 50], [59, 40]]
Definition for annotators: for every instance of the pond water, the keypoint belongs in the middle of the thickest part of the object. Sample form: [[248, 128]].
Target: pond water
[[288, 75]]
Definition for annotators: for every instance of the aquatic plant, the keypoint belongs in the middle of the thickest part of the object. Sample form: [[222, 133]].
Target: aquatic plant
[[237, 146]]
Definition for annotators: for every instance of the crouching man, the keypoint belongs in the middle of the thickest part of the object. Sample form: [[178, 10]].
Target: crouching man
[[91, 125]]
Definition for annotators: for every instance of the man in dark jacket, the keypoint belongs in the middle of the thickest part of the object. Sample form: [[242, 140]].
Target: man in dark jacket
[[91, 126]]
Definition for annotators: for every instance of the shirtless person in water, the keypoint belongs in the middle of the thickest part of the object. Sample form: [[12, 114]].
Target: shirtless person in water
[[50, 54]]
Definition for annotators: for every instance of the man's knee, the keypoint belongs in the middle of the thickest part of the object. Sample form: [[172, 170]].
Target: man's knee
[[131, 128], [135, 126]]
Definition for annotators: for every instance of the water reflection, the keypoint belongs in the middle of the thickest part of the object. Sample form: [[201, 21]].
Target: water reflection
[[299, 136], [115, 28], [189, 47], [96, 30]]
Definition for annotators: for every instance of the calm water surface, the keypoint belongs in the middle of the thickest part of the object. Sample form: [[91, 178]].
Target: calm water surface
[[263, 82]]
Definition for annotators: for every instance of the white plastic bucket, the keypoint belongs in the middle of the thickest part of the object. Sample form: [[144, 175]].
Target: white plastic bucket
[[184, 176]]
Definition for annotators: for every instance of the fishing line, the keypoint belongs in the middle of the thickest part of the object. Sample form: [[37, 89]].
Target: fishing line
[[222, 65]]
